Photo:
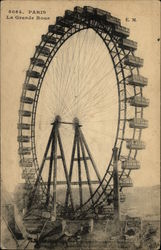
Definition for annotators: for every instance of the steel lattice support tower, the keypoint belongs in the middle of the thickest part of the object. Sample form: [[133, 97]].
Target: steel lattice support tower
[[116, 187]]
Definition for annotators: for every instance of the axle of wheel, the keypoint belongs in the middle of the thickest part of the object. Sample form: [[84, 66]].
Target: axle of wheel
[[75, 122]]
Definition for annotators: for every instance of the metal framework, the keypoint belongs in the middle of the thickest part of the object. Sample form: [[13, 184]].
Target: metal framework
[[126, 66]]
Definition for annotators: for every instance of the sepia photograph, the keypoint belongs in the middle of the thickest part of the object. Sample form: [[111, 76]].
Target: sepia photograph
[[80, 125]]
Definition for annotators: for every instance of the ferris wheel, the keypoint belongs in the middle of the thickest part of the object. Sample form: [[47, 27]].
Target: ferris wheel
[[82, 97]]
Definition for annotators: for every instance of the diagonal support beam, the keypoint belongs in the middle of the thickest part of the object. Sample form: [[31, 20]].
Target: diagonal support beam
[[86, 168], [32, 196], [79, 174], [69, 190], [93, 163], [71, 168], [90, 155], [50, 171]]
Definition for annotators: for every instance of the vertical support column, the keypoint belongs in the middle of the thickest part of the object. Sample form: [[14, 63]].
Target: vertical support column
[[55, 170], [116, 188]]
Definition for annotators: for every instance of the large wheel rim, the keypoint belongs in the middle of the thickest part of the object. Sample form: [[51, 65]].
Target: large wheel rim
[[122, 71]]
